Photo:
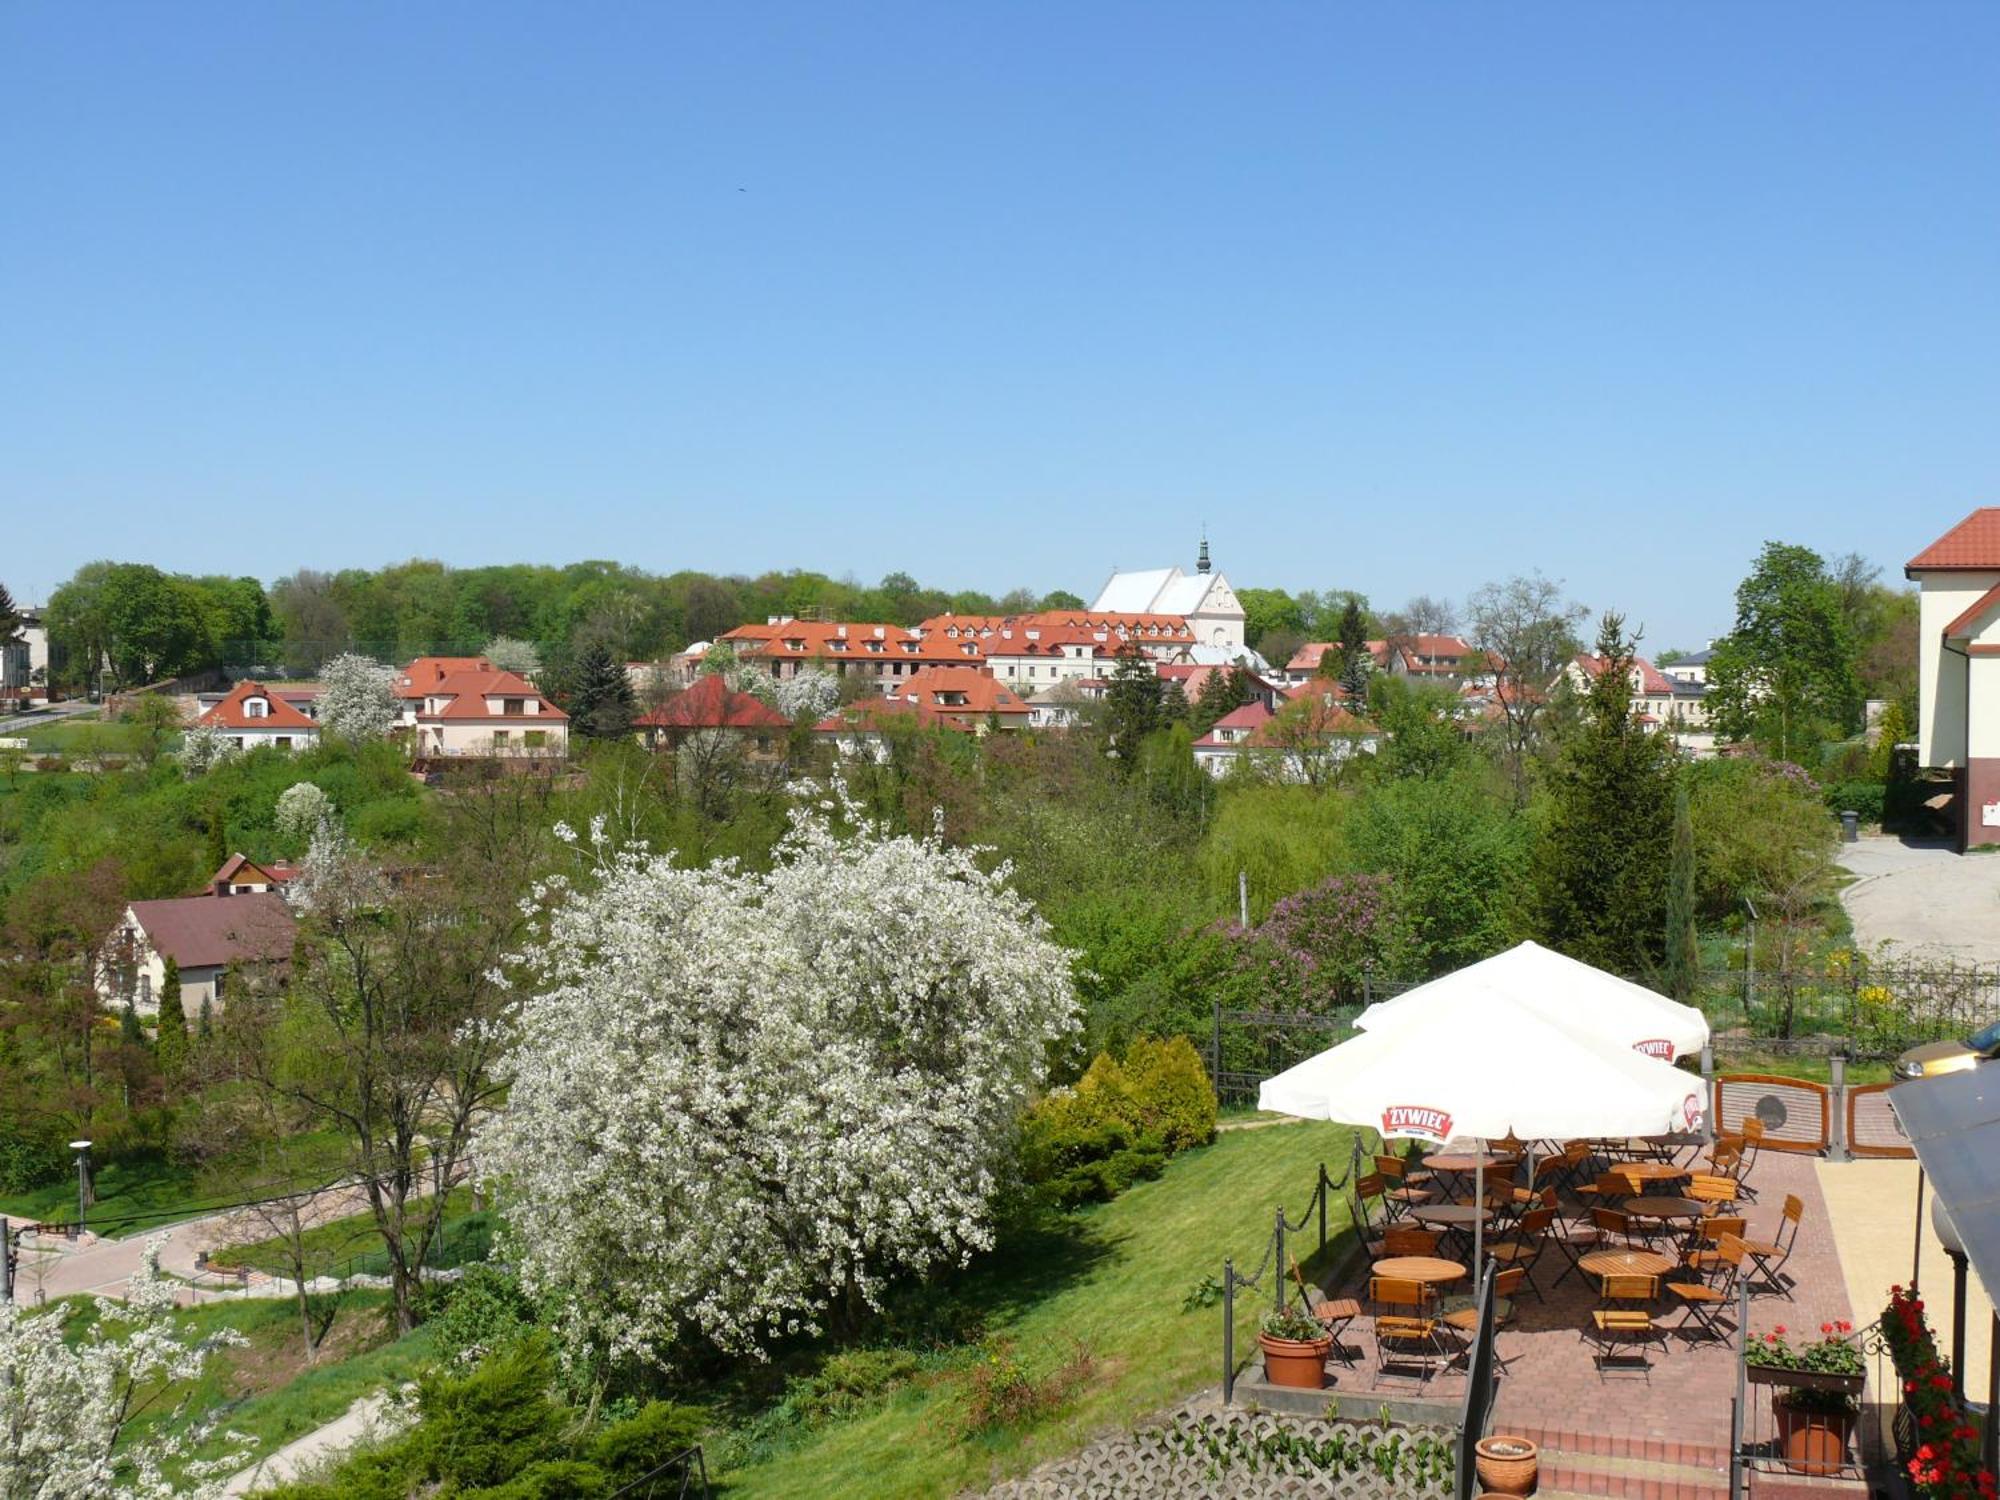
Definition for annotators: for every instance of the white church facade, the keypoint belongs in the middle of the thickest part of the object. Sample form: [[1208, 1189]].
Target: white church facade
[[1204, 598]]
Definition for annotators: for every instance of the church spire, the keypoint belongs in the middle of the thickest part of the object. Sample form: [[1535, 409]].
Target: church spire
[[1201, 563]]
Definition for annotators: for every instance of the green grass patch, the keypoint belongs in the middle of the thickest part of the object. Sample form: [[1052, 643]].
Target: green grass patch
[[1115, 1277], [83, 732], [1809, 1067], [146, 1185], [352, 1246]]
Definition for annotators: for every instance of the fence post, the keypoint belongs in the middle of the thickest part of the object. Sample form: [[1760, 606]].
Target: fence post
[[1228, 1330], [1708, 1093], [1368, 983], [1323, 1209], [7, 1259], [1215, 1049], [1742, 1393], [1278, 1266], [1837, 1142]]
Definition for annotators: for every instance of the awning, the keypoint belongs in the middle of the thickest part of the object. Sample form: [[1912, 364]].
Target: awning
[[1953, 1121]]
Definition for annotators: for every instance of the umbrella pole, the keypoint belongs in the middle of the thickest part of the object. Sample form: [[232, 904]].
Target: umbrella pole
[[1478, 1214]]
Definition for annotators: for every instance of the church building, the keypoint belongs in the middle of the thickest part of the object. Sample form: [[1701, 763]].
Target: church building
[[1203, 597]]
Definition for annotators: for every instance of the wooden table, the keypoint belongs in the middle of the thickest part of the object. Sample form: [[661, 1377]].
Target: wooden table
[[1448, 1161], [1663, 1208], [1424, 1268], [1627, 1263], [1452, 1215]]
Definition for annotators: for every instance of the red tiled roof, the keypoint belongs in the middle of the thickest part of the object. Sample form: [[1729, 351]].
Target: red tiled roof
[[426, 672], [865, 717], [982, 693], [1307, 657], [1981, 607], [820, 640], [711, 704], [468, 692], [1972, 543], [1249, 716], [1323, 717], [277, 872], [230, 712], [1653, 682], [203, 931]]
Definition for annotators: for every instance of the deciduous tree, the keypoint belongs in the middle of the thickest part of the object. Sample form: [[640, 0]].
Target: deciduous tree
[[1528, 630], [1785, 676], [766, 1094], [358, 700]]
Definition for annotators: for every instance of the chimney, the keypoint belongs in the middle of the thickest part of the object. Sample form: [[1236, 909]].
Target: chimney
[[840, 631]]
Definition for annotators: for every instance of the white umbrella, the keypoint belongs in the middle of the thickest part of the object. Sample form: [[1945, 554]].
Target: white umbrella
[[1500, 1071], [1557, 988]]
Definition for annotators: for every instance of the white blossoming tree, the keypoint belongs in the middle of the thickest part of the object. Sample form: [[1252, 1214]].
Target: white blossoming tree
[[738, 1098], [812, 693], [357, 701], [511, 655], [302, 811], [64, 1406], [203, 748]]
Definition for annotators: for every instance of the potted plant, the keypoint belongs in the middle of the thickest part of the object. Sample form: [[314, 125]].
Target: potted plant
[[1813, 1397], [1506, 1465], [1813, 1428], [1295, 1347]]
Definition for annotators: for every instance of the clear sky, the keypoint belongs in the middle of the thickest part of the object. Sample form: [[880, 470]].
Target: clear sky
[[1399, 297]]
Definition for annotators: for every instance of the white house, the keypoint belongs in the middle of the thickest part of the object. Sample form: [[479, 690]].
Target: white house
[[25, 660], [1958, 669], [253, 716], [488, 713], [206, 935], [1204, 599]]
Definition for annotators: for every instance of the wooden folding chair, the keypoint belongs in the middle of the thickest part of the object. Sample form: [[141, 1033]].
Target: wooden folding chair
[[1400, 1192], [1713, 1192], [1770, 1255], [1623, 1317], [1613, 1223], [1705, 1302], [1531, 1237], [1331, 1313], [1406, 1320], [1753, 1147], [1701, 1253], [1461, 1313], [1407, 1239]]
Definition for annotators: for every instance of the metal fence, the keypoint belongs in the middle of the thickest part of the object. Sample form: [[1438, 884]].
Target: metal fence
[[1477, 1413], [682, 1477]]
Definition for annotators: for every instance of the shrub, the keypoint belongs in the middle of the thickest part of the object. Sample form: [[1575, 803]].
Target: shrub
[[28, 1161], [633, 1448], [484, 1310], [1169, 1086], [1002, 1391], [558, 1479], [488, 1426], [1076, 1156], [850, 1380], [1864, 797]]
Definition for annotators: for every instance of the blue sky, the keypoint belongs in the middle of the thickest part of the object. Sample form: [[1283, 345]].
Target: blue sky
[[1395, 297]]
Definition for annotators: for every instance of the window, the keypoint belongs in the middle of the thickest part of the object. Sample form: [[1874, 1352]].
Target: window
[[511, 707], [499, 739], [255, 708], [284, 742], [534, 739]]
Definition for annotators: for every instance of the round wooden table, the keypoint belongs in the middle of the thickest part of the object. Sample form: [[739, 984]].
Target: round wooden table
[[1424, 1268], [1663, 1208], [1627, 1263], [1452, 1161], [1449, 1214]]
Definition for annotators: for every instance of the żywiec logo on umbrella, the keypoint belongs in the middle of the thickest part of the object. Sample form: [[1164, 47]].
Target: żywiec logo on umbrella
[[1690, 1111], [1417, 1120], [1655, 1046]]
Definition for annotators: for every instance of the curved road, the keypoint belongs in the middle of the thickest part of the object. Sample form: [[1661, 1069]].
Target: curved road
[[1923, 898]]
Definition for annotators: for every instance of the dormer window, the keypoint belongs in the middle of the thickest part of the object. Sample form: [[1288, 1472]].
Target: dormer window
[[511, 707], [256, 708]]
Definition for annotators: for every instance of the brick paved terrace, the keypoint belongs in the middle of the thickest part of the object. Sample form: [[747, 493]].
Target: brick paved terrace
[[1653, 1423]]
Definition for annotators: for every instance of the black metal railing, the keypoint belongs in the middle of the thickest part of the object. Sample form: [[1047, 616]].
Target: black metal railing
[[1870, 1437], [1476, 1415], [682, 1477]]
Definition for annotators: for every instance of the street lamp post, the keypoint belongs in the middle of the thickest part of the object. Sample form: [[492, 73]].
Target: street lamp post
[[82, 1150]]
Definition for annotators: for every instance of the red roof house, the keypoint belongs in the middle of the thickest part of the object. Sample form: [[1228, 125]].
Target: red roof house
[[252, 716]]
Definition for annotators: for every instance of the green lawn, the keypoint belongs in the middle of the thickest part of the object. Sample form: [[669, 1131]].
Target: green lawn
[[84, 731], [331, 1247], [1117, 1283], [146, 1185]]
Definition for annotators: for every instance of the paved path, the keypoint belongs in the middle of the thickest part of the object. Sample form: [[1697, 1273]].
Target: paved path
[[1924, 899], [365, 1419]]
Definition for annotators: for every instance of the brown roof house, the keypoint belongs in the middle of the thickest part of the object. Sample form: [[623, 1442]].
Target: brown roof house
[[711, 704], [1958, 669], [207, 936]]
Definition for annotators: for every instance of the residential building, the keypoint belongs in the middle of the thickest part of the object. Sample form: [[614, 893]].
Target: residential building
[[1958, 669], [1692, 667], [1425, 656], [711, 704], [1295, 743], [26, 660], [1203, 599], [240, 876], [1062, 705], [484, 713], [251, 716], [1193, 679], [863, 729], [207, 936], [884, 654], [425, 673], [1661, 702], [963, 698]]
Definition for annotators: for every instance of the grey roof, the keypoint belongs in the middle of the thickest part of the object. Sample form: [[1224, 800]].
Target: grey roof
[[1954, 1122], [205, 931]]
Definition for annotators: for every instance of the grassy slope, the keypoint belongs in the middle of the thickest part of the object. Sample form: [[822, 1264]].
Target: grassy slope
[[335, 1243], [151, 1185], [1118, 1286]]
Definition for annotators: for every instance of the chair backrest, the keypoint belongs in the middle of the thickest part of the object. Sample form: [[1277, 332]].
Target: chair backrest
[[1706, 1187], [1401, 1241], [1623, 1287], [1394, 1168], [1732, 1249], [1506, 1283], [1396, 1291], [1718, 1229], [1753, 1131], [1616, 1185], [1612, 1219], [1795, 1210], [1537, 1221]]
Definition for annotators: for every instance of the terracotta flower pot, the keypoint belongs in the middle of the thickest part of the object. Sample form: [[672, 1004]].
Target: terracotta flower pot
[[1813, 1442], [1300, 1363], [1507, 1465]]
